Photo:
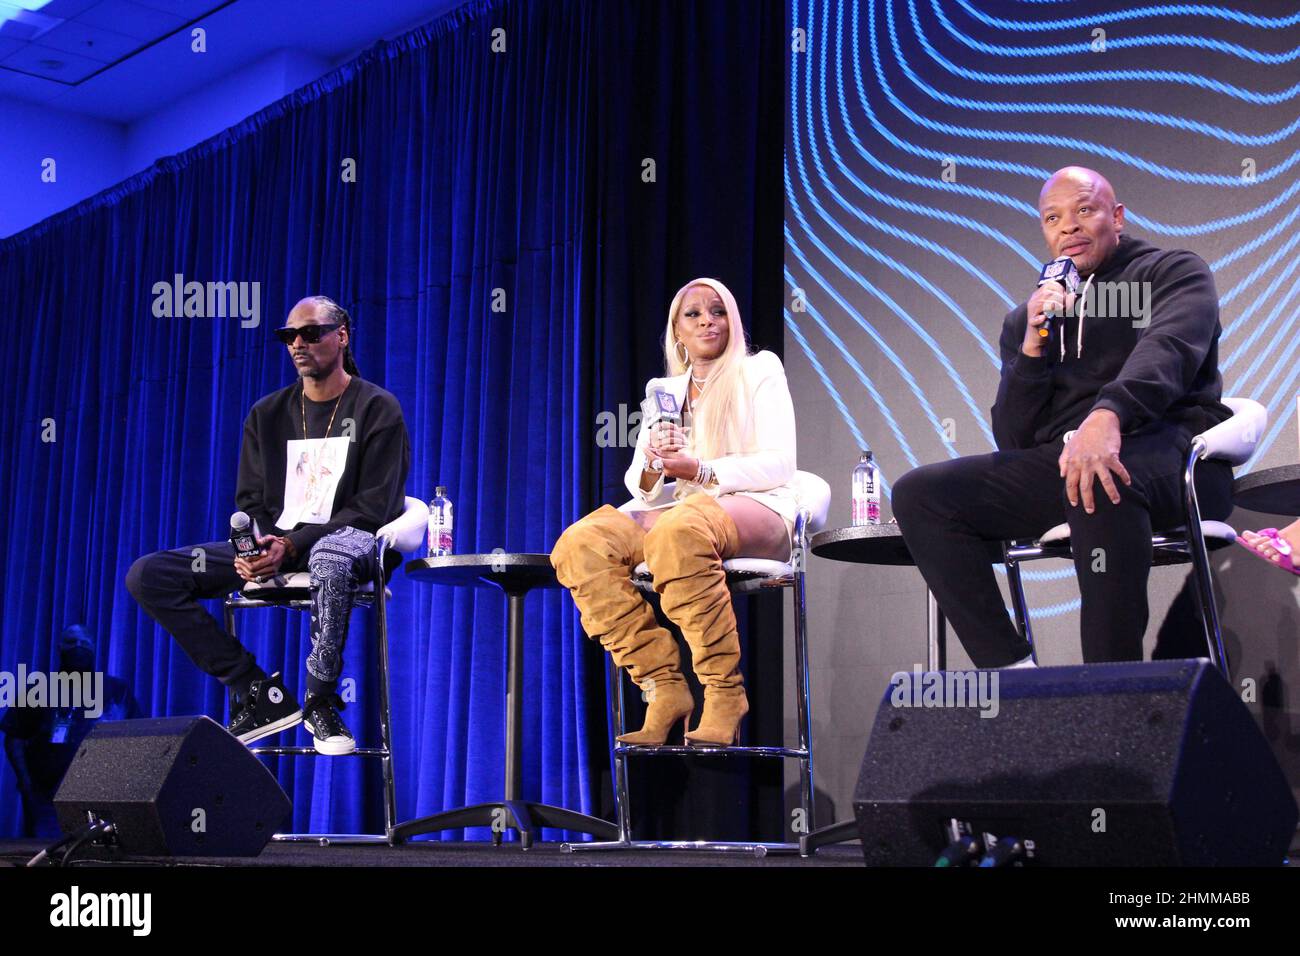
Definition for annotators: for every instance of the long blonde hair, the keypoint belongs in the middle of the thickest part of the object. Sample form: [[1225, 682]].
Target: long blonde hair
[[718, 427]]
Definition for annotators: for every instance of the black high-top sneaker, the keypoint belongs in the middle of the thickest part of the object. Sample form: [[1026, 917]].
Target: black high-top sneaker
[[266, 709], [321, 718]]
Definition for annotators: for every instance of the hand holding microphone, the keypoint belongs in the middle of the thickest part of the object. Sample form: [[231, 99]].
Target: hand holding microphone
[[1046, 302], [664, 431], [667, 438], [668, 442], [266, 563], [1054, 298], [256, 556]]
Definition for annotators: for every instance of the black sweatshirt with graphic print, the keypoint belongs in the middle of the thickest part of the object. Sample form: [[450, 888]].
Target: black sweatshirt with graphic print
[[1159, 366], [371, 492]]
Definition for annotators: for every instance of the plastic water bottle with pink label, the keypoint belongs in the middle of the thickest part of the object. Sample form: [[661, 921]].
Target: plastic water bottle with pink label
[[866, 491], [440, 524]]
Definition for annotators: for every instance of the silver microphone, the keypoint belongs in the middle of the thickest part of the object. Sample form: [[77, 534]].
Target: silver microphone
[[663, 408]]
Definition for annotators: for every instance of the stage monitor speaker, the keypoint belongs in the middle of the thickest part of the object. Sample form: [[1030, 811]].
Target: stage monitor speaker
[[173, 786], [1140, 764]]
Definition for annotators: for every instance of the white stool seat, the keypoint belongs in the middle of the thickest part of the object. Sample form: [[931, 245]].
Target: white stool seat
[[758, 567], [743, 574], [294, 581], [1211, 529], [753, 567]]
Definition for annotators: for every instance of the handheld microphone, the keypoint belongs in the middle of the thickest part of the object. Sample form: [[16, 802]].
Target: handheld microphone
[[242, 538], [1061, 270], [663, 408]]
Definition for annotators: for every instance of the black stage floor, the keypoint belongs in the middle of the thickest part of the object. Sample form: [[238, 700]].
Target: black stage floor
[[428, 853], [439, 854]]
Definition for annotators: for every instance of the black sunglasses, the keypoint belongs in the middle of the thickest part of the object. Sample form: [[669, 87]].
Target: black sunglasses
[[311, 334]]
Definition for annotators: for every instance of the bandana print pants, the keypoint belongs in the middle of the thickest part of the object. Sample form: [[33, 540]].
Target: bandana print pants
[[339, 563]]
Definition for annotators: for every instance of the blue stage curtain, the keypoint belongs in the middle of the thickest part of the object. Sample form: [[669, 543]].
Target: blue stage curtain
[[469, 252]]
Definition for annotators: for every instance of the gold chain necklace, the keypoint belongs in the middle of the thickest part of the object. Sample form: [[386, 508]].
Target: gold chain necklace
[[303, 401]]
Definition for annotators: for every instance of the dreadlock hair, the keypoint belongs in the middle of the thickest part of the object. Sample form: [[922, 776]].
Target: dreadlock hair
[[335, 313]]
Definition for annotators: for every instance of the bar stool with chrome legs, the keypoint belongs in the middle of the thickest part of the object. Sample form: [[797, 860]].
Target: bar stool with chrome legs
[[402, 534], [744, 576], [1233, 441]]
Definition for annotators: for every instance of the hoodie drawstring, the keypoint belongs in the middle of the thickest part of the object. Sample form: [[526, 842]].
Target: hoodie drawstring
[[1082, 301]]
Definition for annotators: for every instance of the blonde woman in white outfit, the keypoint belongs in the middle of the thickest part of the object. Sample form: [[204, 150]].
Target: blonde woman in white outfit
[[717, 486]]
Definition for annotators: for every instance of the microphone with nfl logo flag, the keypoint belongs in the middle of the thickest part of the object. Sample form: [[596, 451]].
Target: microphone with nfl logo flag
[[1063, 271], [243, 536], [662, 407]]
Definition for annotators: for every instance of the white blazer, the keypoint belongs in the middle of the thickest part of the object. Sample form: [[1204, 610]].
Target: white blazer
[[764, 469]]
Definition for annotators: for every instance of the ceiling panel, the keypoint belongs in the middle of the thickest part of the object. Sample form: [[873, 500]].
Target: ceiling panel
[[131, 19], [36, 60], [31, 89], [188, 9], [162, 68], [67, 9], [93, 43], [25, 25]]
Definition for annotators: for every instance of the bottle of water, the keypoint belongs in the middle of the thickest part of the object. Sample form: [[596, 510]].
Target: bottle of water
[[866, 491], [440, 524]]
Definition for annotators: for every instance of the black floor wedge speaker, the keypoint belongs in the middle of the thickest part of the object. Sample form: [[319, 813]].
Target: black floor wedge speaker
[[1143, 764], [173, 786]]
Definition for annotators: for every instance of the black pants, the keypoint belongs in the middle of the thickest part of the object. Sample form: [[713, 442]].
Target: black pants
[[169, 584], [950, 511]]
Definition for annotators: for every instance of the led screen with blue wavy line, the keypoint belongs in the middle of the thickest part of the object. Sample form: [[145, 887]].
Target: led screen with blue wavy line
[[918, 135]]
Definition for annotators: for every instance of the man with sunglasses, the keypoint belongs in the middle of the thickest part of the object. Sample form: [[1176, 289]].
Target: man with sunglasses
[[323, 466]]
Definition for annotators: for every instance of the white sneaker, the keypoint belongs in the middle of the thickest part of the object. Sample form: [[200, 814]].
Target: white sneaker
[[321, 718]]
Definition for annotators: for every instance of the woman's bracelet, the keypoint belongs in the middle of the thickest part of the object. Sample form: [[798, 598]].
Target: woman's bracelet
[[703, 475]]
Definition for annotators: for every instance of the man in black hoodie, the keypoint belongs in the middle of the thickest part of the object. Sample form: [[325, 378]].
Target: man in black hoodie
[[1132, 367], [323, 467]]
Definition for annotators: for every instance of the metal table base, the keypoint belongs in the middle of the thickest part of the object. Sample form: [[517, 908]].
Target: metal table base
[[515, 575]]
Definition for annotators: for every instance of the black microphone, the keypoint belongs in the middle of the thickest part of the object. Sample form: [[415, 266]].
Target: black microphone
[[242, 538], [1063, 271]]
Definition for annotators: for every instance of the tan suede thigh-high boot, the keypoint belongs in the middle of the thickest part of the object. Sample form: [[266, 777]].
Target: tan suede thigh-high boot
[[594, 559], [685, 550]]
